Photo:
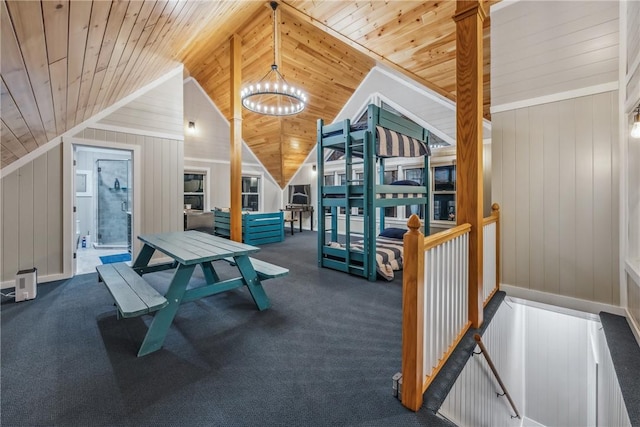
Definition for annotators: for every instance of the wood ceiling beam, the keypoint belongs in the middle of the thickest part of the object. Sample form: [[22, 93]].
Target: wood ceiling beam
[[360, 48]]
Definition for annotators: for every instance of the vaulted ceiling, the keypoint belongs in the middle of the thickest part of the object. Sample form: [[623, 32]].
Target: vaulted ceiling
[[62, 62]]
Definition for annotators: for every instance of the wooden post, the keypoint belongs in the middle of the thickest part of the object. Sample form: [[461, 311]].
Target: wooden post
[[413, 315], [495, 210], [236, 141], [469, 17]]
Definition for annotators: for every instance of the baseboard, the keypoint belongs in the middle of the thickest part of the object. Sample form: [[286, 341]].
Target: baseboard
[[562, 301], [40, 279], [635, 327]]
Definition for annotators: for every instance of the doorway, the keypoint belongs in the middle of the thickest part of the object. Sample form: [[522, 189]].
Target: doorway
[[103, 201]]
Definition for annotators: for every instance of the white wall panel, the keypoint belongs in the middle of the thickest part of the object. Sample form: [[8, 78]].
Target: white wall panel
[[633, 33], [159, 110], [556, 347], [611, 407], [633, 298], [472, 401], [557, 184], [543, 48], [32, 218]]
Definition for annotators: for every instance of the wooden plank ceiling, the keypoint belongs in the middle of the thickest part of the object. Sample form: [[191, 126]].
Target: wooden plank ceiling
[[64, 61]]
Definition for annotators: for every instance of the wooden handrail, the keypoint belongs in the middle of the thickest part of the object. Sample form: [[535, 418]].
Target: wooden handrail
[[444, 236], [484, 351], [495, 215]]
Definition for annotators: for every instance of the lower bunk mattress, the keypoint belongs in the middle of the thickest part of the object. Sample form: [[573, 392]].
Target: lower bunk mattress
[[388, 254]]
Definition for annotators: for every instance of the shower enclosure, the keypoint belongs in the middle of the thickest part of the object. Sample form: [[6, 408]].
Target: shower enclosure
[[114, 199]]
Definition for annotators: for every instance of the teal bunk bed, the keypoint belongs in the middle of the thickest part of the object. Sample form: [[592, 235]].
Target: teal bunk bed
[[384, 135]]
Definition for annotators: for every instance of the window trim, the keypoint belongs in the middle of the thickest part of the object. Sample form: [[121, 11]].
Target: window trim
[[88, 176], [441, 222], [260, 192]]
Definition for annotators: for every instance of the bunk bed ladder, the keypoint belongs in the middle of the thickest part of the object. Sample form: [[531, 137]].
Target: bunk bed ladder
[[348, 155], [369, 260]]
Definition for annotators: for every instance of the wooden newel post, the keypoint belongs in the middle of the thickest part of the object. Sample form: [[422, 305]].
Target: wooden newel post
[[413, 315], [495, 211]]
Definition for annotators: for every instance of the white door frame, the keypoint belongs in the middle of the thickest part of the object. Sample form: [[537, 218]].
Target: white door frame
[[68, 194]]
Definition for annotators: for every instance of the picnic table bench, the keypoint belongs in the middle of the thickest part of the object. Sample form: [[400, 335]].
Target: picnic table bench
[[133, 295]]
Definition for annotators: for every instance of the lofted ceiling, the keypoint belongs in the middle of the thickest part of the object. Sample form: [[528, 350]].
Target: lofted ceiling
[[62, 62]]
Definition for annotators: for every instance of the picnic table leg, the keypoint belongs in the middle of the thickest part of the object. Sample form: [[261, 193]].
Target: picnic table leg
[[162, 320], [253, 282], [143, 258], [209, 273]]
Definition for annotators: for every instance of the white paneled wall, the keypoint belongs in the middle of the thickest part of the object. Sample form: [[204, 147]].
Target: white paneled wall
[[631, 164], [32, 218], [556, 348], [611, 408], [472, 401], [633, 33], [555, 176], [540, 49], [159, 111], [488, 260], [547, 360], [633, 300]]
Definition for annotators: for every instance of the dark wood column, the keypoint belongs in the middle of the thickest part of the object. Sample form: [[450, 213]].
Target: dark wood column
[[469, 17], [236, 140]]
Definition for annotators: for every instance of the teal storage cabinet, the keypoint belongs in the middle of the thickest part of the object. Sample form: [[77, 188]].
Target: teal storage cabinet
[[257, 228]]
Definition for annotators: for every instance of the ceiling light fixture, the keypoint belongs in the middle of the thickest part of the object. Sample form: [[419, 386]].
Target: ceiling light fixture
[[272, 95], [635, 130]]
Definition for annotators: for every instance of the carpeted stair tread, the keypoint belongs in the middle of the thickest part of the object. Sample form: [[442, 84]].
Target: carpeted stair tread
[[625, 354]]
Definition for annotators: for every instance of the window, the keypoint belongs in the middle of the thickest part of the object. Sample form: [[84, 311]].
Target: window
[[83, 183], [444, 193], [194, 195], [328, 180], [250, 193], [416, 176]]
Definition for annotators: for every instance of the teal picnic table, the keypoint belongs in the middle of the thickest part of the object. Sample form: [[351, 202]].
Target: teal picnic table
[[189, 249]]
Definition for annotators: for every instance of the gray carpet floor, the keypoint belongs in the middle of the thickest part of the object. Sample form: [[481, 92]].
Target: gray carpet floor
[[322, 355]]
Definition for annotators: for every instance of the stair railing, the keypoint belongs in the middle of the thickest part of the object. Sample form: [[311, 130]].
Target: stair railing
[[484, 351]]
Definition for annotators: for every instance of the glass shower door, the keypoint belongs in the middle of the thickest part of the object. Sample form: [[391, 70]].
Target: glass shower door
[[113, 202]]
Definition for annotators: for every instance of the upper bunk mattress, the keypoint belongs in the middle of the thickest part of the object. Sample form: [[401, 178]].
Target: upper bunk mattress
[[395, 144]]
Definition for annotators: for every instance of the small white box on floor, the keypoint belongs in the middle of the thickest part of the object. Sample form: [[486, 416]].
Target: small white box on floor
[[26, 284]]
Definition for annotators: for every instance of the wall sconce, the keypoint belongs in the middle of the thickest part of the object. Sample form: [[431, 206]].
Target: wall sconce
[[313, 168], [635, 130], [192, 127]]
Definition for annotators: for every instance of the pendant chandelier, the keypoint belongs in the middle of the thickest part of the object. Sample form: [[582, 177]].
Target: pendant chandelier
[[272, 95]]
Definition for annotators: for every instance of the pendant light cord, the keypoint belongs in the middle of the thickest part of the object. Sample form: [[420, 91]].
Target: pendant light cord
[[274, 6]]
